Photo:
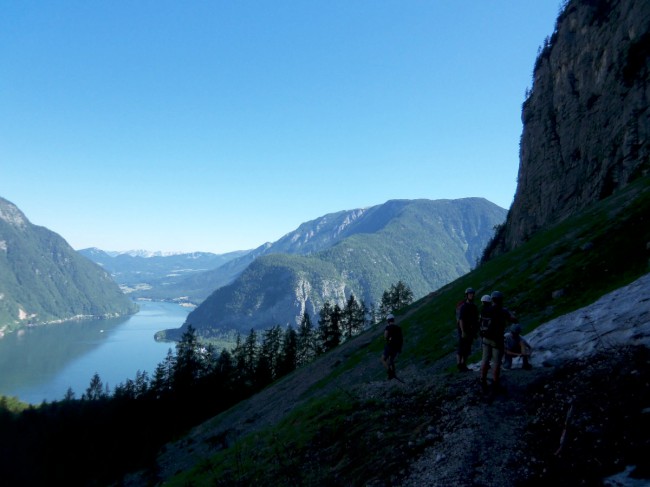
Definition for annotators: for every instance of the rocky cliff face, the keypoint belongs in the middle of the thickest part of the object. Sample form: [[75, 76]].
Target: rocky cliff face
[[586, 120]]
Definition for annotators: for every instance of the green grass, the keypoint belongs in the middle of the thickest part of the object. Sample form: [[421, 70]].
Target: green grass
[[583, 257], [334, 440], [338, 439]]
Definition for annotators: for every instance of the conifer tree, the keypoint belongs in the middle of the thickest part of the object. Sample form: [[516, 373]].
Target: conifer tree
[[353, 317], [307, 346], [95, 390], [329, 331], [289, 352], [250, 353], [268, 356], [225, 364], [238, 357], [399, 296], [386, 305], [188, 360], [161, 383], [141, 385]]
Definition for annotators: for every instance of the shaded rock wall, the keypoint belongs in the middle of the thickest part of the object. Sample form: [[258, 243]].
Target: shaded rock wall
[[586, 120]]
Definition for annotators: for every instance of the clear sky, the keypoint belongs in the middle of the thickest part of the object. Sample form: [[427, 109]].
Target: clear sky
[[218, 125]]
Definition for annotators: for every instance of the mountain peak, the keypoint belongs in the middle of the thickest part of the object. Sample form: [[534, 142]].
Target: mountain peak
[[11, 214], [146, 254]]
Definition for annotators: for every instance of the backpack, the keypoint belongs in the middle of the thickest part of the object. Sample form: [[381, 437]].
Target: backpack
[[487, 328], [493, 321], [394, 337]]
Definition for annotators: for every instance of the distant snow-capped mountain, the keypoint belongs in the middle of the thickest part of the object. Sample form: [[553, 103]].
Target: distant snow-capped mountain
[[145, 253]]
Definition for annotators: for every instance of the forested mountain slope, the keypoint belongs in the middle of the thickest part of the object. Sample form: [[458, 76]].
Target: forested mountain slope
[[42, 278], [423, 243]]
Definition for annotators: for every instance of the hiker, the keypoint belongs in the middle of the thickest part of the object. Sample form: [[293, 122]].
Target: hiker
[[484, 314], [493, 326], [516, 346], [393, 347], [467, 327]]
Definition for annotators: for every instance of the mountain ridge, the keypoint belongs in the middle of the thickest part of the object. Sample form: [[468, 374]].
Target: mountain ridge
[[151, 275], [43, 280], [424, 243]]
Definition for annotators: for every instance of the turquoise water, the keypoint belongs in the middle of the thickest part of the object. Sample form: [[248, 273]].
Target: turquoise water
[[42, 363]]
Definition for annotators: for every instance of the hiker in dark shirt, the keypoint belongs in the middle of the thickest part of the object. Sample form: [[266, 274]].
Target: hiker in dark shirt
[[499, 316], [393, 347], [467, 327]]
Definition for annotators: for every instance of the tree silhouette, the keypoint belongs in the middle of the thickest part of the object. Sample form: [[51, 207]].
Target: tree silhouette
[[399, 296], [288, 360], [353, 317], [307, 346]]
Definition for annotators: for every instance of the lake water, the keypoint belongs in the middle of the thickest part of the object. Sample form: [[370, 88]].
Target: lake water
[[42, 363]]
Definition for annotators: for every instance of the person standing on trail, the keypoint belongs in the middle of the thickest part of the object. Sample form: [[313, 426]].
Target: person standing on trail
[[493, 326], [484, 314], [393, 347], [467, 327]]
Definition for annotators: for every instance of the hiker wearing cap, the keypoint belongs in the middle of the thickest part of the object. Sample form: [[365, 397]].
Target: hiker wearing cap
[[493, 326], [393, 347], [466, 327], [516, 346]]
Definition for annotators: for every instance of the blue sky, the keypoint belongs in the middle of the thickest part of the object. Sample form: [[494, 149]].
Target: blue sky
[[221, 125]]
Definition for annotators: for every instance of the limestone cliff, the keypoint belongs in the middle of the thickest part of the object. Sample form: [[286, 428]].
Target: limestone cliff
[[586, 119]]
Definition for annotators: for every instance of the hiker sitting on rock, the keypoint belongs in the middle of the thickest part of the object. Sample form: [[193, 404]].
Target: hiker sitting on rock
[[516, 346]]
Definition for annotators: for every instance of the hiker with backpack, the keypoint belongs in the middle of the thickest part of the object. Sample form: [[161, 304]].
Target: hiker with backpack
[[466, 327], [516, 346], [492, 328], [393, 347]]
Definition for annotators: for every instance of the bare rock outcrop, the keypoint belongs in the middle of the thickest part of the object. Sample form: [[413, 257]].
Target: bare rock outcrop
[[587, 118]]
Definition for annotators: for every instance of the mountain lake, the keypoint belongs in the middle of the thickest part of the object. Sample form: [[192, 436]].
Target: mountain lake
[[42, 363]]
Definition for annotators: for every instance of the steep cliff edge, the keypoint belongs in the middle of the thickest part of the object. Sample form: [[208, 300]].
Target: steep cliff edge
[[586, 120]]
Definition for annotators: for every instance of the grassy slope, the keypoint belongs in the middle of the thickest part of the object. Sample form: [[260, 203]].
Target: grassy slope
[[586, 256]]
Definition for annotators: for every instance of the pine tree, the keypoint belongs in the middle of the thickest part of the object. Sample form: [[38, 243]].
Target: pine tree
[[239, 357], [141, 385], [188, 360], [161, 383], [289, 352], [329, 331], [402, 295], [307, 346], [225, 364], [268, 356], [386, 305], [398, 297], [353, 317], [95, 390], [249, 354]]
